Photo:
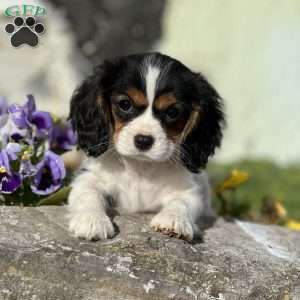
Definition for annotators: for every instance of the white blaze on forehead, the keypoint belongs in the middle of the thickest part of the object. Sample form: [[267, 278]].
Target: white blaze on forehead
[[146, 123], [152, 74]]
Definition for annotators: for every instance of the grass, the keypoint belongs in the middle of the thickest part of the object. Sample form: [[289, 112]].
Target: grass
[[266, 180]]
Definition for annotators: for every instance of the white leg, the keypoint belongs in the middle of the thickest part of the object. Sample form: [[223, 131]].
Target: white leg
[[178, 216], [88, 218]]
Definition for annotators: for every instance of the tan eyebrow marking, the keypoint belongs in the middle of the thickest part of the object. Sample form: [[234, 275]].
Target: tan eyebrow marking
[[164, 101], [137, 96]]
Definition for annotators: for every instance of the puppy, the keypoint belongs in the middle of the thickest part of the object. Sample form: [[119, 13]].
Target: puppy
[[147, 125]]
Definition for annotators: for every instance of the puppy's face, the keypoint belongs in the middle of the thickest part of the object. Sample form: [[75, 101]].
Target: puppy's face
[[149, 116], [148, 107]]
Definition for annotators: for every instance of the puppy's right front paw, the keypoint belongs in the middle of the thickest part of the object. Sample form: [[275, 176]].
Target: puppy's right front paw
[[91, 226]]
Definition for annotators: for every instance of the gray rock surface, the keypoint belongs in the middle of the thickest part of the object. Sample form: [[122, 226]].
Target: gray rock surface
[[234, 261]]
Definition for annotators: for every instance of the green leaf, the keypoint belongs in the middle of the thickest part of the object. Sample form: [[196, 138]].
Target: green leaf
[[38, 153], [57, 198]]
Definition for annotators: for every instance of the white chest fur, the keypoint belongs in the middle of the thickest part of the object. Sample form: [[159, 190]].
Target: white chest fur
[[141, 186]]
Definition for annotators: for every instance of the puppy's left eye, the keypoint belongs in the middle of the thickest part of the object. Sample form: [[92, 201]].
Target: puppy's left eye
[[172, 113], [125, 104]]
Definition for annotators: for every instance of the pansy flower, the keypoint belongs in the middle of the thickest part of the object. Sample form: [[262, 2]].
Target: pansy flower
[[27, 116], [27, 169], [50, 174], [63, 136], [9, 180]]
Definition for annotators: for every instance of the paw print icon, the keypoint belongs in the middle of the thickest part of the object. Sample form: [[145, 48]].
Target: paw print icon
[[24, 31]]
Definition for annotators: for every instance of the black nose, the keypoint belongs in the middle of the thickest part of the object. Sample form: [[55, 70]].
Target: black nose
[[143, 142]]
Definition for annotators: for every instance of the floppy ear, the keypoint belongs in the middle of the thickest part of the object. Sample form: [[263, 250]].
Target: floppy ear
[[90, 115], [203, 132]]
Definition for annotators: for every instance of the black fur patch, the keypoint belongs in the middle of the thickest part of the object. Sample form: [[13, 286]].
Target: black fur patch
[[206, 135], [89, 114]]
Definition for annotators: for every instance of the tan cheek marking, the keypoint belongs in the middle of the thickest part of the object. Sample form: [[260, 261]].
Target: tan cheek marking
[[191, 123], [181, 129], [174, 132], [164, 101], [118, 127], [137, 96]]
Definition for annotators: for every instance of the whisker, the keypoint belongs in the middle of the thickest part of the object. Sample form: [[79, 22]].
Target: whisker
[[98, 145]]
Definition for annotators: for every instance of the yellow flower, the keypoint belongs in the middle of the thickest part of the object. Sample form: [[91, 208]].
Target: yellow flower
[[280, 210], [292, 224], [2, 169], [236, 178], [26, 155], [273, 210], [55, 118]]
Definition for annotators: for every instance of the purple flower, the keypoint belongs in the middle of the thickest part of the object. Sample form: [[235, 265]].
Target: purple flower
[[63, 136], [11, 132], [3, 111], [12, 150], [18, 116], [50, 174], [9, 180], [27, 116], [9, 183], [33, 133], [27, 169]]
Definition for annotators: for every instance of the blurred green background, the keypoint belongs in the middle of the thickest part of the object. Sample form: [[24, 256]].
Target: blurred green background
[[265, 180]]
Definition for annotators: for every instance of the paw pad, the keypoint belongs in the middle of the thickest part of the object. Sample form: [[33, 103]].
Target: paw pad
[[173, 225], [170, 232], [24, 31]]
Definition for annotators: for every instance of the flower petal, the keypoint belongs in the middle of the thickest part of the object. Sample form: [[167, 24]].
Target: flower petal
[[50, 174], [3, 111], [56, 165], [4, 162], [63, 136], [11, 131], [18, 116], [9, 183], [47, 191], [27, 169], [12, 150], [42, 120], [293, 224], [29, 107]]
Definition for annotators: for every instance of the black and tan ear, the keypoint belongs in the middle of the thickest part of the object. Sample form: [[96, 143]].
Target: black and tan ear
[[203, 132], [90, 115]]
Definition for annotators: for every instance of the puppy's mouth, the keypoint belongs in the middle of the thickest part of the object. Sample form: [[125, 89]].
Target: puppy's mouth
[[139, 156], [149, 157]]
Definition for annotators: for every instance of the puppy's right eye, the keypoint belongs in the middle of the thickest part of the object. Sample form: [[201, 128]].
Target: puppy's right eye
[[172, 113], [125, 105]]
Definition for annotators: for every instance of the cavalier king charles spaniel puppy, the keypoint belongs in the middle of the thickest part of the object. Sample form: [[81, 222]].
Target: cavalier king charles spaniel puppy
[[147, 125]]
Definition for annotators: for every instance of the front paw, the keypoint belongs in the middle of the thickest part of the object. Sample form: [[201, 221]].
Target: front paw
[[174, 225], [91, 226]]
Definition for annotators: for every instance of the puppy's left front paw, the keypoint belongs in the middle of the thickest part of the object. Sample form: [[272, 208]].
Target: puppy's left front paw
[[91, 226], [174, 225]]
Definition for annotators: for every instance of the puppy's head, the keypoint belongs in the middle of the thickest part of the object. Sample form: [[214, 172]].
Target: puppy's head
[[148, 107]]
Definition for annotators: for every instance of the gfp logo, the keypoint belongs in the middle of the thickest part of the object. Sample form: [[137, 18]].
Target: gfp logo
[[25, 10], [25, 30]]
